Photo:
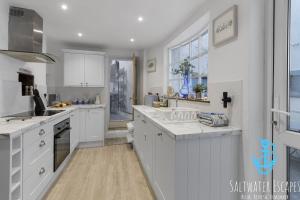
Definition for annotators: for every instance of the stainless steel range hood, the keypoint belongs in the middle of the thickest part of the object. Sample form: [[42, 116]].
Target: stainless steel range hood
[[25, 36]]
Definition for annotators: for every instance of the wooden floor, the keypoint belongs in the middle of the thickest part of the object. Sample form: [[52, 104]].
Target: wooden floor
[[108, 173]]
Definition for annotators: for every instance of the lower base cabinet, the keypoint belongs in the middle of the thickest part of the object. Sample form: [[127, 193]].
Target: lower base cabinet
[[91, 125], [189, 169], [75, 129]]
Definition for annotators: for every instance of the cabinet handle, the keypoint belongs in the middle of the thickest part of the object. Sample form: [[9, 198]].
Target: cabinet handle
[[42, 171], [159, 134], [145, 137], [42, 132], [42, 143]]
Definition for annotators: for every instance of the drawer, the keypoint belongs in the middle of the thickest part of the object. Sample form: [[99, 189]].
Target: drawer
[[29, 167], [36, 134], [39, 179]]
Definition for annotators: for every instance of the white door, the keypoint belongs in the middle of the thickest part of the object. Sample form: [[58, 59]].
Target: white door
[[94, 125], [73, 69], [94, 71], [286, 112]]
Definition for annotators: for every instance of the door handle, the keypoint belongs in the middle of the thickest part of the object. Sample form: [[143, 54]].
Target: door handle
[[274, 110], [42, 143], [42, 171]]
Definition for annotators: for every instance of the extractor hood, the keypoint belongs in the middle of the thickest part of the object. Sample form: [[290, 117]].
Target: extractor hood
[[25, 36]]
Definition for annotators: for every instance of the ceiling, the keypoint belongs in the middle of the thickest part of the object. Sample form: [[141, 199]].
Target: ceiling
[[111, 23]]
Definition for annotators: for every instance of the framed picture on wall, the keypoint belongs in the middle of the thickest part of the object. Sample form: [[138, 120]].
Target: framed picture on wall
[[151, 65], [225, 27]]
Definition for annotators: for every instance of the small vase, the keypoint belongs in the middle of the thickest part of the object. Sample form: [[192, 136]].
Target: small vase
[[184, 91], [198, 95]]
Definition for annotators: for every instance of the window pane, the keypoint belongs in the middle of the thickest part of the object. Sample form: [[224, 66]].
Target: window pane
[[175, 55], [195, 63], [176, 84], [294, 75], [193, 82], [184, 52], [293, 170], [195, 48], [204, 43], [171, 68], [203, 65]]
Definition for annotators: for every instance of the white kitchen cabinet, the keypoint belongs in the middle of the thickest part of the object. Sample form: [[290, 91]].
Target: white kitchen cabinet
[[11, 166], [94, 128], [138, 135], [186, 168], [75, 129], [94, 70], [82, 129], [164, 162], [92, 125], [74, 69], [84, 68], [37, 160]]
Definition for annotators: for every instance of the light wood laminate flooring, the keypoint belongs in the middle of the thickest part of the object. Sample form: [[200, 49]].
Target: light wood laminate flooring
[[106, 173]]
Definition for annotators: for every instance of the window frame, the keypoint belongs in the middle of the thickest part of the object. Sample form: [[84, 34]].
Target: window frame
[[200, 54]]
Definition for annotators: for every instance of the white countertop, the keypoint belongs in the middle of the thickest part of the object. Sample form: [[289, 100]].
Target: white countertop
[[7, 128], [186, 130]]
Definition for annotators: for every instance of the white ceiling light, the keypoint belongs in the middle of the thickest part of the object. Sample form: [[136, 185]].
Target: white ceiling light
[[132, 40], [80, 34], [140, 19], [64, 6]]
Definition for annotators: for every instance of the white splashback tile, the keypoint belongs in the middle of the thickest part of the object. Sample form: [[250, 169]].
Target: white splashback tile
[[11, 99], [215, 92]]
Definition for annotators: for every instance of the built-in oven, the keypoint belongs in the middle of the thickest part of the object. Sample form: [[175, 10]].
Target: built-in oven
[[61, 142]]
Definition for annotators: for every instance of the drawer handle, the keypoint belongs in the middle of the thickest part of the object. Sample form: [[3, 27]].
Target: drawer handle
[[42, 132], [42, 143], [42, 171], [159, 134]]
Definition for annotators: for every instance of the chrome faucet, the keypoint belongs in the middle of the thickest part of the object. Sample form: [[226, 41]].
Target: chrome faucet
[[177, 96]]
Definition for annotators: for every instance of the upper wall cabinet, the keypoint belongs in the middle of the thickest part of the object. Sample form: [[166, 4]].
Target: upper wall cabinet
[[83, 68]]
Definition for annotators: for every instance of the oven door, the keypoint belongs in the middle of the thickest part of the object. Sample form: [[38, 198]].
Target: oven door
[[61, 147]]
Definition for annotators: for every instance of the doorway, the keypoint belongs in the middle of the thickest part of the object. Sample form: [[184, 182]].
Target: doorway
[[122, 86], [286, 100]]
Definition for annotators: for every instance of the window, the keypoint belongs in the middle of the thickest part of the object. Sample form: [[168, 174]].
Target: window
[[196, 52]]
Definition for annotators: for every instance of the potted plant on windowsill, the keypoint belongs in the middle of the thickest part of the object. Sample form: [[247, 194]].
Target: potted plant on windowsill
[[185, 69], [199, 89]]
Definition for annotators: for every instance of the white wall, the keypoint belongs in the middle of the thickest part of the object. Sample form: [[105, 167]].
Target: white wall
[[11, 100], [241, 60]]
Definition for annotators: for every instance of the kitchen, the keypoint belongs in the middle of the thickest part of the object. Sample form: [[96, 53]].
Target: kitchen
[[165, 100]]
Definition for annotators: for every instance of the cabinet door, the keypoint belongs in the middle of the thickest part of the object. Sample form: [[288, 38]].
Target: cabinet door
[[73, 69], [139, 135], [94, 71], [82, 125], [95, 125], [149, 131], [164, 166], [75, 120]]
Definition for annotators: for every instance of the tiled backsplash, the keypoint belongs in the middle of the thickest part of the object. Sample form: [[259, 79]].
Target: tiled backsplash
[[71, 93], [215, 94], [11, 99]]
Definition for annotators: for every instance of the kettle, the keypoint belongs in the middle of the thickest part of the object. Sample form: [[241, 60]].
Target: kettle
[[98, 100]]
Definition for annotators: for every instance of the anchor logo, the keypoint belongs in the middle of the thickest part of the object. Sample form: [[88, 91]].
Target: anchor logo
[[265, 163]]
